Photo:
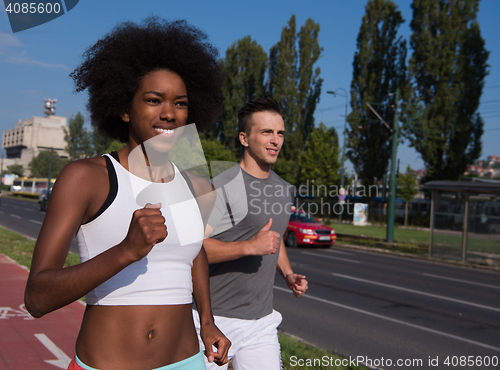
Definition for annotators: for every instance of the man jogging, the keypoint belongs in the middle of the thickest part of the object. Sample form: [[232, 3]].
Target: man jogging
[[245, 243]]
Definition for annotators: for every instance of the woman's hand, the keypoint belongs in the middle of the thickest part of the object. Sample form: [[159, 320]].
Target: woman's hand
[[212, 336], [146, 229]]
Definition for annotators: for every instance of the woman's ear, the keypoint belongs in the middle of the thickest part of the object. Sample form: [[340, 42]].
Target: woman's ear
[[126, 117], [243, 139]]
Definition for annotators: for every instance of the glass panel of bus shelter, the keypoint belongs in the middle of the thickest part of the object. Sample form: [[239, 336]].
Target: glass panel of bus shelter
[[448, 225], [483, 241]]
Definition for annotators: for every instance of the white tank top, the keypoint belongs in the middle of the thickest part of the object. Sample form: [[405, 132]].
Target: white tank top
[[163, 277]]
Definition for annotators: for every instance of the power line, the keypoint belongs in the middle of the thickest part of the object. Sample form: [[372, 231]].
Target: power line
[[330, 108], [490, 109], [489, 101]]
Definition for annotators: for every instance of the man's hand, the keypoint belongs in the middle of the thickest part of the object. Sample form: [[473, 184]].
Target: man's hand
[[297, 283], [265, 242], [212, 336]]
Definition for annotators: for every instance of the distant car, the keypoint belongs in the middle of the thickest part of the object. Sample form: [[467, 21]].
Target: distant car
[[43, 200], [304, 229]]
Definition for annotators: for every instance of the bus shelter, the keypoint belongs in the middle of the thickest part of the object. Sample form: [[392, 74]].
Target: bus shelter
[[465, 221]]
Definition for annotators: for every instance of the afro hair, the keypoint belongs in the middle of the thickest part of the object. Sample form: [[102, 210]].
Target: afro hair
[[113, 69]]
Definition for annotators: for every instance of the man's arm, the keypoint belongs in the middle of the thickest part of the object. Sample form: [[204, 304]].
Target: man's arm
[[297, 283], [264, 243]]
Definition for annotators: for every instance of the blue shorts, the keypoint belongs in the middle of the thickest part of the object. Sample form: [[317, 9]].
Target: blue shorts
[[195, 362]]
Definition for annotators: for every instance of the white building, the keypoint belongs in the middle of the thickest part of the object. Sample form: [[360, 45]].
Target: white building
[[30, 137]]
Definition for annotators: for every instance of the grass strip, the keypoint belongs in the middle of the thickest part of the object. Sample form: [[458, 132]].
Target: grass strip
[[298, 355], [20, 249]]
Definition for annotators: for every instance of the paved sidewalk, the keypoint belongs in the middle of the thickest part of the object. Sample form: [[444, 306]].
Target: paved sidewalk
[[27, 343]]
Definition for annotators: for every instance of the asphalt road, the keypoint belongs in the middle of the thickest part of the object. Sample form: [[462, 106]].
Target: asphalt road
[[23, 216], [387, 312], [393, 312]]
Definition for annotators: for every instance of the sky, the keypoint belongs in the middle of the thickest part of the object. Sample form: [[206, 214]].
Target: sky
[[35, 63]]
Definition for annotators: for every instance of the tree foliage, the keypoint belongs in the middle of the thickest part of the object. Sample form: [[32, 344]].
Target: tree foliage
[[15, 169], [114, 146], [379, 68], [407, 188], [244, 67], [320, 159], [40, 164], [407, 185], [295, 84], [216, 151], [448, 67], [77, 139], [100, 143]]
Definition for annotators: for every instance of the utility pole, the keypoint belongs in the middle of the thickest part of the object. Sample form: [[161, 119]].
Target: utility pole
[[335, 93], [392, 180], [50, 173]]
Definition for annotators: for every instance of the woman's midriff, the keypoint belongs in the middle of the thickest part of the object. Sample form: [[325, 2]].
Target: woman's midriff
[[136, 337]]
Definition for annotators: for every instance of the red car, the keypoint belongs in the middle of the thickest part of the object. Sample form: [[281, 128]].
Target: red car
[[304, 229]]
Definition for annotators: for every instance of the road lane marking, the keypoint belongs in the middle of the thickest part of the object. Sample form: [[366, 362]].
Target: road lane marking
[[6, 312], [334, 258], [15, 216], [463, 281], [306, 295], [62, 359], [36, 222], [339, 252], [418, 292]]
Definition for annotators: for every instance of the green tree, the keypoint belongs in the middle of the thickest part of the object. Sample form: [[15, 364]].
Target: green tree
[[407, 188], [217, 156], [100, 143], [77, 139], [244, 68], [214, 150], [15, 169], [320, 159], [295, 84], [114, 146], [448, 67], [39, 165], [379, 68]]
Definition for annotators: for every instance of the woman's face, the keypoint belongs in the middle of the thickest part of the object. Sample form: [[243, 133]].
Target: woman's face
[[159, 107]]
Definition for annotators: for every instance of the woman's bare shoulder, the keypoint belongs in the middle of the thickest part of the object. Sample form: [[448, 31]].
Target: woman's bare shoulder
[[82, 177], [83, 169]]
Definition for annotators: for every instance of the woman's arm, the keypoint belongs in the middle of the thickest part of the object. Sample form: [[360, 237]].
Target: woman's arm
[[209, 333], [50, 286]]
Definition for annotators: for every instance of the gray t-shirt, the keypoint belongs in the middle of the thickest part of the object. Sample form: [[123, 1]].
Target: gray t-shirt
[[243, 288]]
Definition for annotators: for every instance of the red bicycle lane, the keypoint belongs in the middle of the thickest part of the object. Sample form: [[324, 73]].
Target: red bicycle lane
[[28, 343]]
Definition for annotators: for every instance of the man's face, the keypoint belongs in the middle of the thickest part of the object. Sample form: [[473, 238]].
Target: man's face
[[264, 137]]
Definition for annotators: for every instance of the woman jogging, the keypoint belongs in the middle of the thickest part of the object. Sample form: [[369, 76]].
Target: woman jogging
[[143, 80]]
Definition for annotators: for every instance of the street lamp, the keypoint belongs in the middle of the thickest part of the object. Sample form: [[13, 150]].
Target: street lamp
[[335, 93]]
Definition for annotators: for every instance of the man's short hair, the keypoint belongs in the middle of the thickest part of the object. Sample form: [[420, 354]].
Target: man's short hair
[[264, 104]]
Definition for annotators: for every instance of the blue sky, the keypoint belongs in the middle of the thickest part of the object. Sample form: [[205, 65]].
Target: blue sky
[[35, 63]]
